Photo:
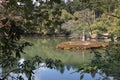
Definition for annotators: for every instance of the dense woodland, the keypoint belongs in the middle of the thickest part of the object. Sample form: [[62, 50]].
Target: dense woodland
[[49, 18], [55, 17]]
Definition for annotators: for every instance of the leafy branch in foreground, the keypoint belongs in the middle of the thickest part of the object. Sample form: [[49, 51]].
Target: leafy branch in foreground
[[107, 62], [27, 67], [11, 30]]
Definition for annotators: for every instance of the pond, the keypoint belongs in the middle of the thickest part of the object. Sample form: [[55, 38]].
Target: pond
[[45, 48], [72, 59]]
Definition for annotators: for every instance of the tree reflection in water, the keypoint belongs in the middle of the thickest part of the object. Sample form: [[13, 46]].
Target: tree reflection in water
[[45, 69], [25, 68]]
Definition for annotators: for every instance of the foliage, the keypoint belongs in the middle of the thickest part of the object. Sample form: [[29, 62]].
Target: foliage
[[24, 16], [65, 15], [107, 23], [10, 48], [39, 17], [36, 62], [98, 16], [10, 34], [108, 62], [27, 67], [101, 24], [47, 19], [13, 24]]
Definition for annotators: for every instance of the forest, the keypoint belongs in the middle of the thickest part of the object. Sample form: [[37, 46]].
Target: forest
[[55, 18]]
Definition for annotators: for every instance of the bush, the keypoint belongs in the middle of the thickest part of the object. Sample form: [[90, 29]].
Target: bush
[[66, 15]]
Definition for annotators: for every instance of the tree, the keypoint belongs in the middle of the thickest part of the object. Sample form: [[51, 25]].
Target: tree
[[16, 16]]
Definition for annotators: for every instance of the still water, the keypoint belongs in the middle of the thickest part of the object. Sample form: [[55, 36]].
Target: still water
[[71, 59], [46, 49]]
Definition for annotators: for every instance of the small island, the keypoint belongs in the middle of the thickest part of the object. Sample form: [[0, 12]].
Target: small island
[[81, 44]]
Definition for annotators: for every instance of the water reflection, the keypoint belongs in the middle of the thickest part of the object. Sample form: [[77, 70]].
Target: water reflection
[[64, 73], [46, 49], [0, 73], [14, 76], [53, 74], [83, 55], [45, 73]]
